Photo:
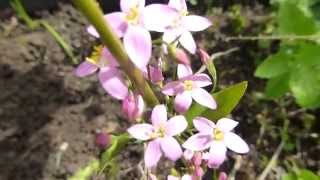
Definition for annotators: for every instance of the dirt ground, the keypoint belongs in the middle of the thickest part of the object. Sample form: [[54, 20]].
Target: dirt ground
[[43, 106]]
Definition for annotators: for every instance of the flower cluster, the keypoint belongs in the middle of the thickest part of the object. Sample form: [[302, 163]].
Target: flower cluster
[[133, 25]]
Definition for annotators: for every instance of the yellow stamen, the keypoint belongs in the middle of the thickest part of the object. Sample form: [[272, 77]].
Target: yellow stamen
[[218, 134], [188, 85], [184, 13], [132, 16], [95, 56]]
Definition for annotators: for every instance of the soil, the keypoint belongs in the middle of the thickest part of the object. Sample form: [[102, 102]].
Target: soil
[[43, 106]]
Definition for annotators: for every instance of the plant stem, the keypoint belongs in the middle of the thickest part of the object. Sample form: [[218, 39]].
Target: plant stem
[[93, 13]]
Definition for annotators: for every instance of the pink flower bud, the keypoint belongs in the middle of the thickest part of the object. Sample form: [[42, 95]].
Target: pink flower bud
[[103, 140], [182, 57], [156, 74], [204, 56], [197, 159], [223, 176], [133, 106], [198, 171]]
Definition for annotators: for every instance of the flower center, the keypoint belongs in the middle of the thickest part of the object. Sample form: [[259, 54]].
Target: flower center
[[184, 13], [218, 134], [159, 133], [96, 55], [188, 85], [132, 16]]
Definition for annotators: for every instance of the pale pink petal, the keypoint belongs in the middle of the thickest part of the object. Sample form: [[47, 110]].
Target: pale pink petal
[[141, 131], [195, 23], [198, 142], [187, 177], [202, 97], [172, 88], [183, 101], [159, 116], [217, 154], [153, 17], [171, 148], [188, 154], [153, 153], [179, 5], [85, 68], [203, 125], [201, 80], [226, 124], [112, 81], [117, 22], [188, 42], [137, 42], [176, 125], [171, 35], [156, 74], [183, 70], [108, 57], [171, 177], [235, 143], [126, 5], [92, 31], [140, 105], [223, 176]]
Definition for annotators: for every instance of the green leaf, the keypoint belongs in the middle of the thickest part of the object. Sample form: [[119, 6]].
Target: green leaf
[[278, 86], [274, 65], [227, 99], [305, 174], [117, 144], [86, 172], [292, 20]]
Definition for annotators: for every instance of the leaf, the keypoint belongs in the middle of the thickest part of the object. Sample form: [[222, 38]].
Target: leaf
[[278, 86], [292, 20], [86, 172], [117, 144], [274, 65], [227, 99], [305, 174]]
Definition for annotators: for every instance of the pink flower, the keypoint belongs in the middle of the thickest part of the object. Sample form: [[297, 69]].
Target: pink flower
[[223, 176], [160, 133], [218, 137], [109, 75], [129, 24], [183, 23], [133, 106], [184, 177], [188, 87]]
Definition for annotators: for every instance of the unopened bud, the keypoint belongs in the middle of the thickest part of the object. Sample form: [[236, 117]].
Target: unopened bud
[[223, 176], [178, 55], [156, 74], [103, 140], [204, 56], [197, 158], [133, 106]]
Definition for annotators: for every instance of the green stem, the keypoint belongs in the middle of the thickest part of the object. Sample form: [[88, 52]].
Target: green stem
[[91, 10]]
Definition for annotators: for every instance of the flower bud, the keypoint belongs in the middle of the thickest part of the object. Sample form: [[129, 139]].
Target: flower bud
[[204, 56], [197, 158], [102, 140], [156, 74], [133, 106], [182, 57], [223, 176]]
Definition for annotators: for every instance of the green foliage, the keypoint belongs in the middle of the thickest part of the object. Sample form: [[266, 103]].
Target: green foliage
[[86, 172], [300, 174], [227, 99], [295, 67]]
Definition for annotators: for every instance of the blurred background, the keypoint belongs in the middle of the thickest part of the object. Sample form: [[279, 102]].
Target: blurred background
[[49, 117]]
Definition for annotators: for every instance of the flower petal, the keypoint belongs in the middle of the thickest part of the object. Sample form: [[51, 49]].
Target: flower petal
[[112, 81], [182, 101], [217, 154], [179, 5], [85, 68], [198, 142], [126, 5], [153, 153], [235, 143], [188, 42], [171, 148], [226, 124], [92, 31], [137, 42], [187, 177], [171, 88], [171, 35], [141, 131], [195, 23], [159, 115], [201, 80], [203, 125], [153, 17], [176, 125], [202, 97], [183, 71], [117, 22]]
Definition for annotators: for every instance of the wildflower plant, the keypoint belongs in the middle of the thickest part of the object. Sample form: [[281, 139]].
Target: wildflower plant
[[132, 68]]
